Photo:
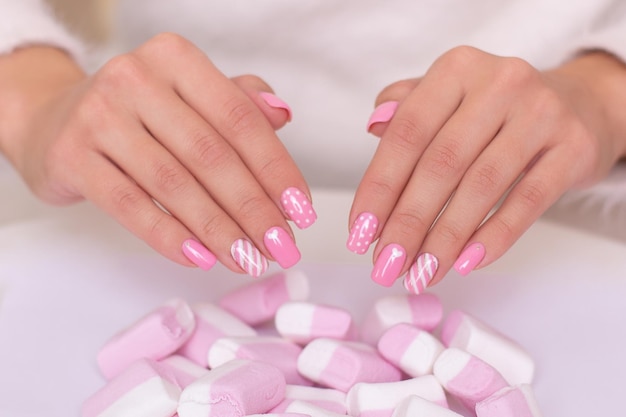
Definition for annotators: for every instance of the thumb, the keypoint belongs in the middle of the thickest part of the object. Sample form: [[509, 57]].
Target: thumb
[[277, 112]]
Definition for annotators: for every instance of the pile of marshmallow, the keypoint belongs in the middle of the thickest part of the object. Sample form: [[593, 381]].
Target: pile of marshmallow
[[222, 359]]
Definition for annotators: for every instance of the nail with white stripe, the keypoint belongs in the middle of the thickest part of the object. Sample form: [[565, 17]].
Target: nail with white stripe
[[249, 258], [421, 273]]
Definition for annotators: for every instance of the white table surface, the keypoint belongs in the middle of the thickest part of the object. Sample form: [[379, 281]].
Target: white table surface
[[72, 277]]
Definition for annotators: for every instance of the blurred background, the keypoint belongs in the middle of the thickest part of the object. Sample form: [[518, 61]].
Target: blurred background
[[88, 18]]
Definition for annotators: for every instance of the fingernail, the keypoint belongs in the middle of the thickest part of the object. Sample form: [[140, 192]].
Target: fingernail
[[198, 254], [282, 247], [470, 258], [389, 264], [249, 258], [275, 102], [362, 233], [298, 207], [421, 273], [383, 113]]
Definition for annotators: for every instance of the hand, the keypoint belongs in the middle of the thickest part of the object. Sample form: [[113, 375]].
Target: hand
[[474, 152], [162, 124]]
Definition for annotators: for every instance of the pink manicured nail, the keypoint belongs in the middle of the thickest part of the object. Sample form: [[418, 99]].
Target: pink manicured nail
[[282, 247], [383, 113], [389, 264], [275, 102], [198, 254], [470, 258], [421, 273], [249, 258], [298, 207], [362, 233]]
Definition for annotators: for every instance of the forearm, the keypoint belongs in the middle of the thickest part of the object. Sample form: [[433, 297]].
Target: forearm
[[29, 78], [596, 82]]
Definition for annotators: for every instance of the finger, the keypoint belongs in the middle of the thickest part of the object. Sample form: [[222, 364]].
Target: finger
[[537, 190], [387, 103], [415, 124], [236, 119], [277, 112]]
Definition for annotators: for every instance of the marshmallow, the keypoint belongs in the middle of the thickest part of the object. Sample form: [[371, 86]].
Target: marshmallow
[[465, 332], [466, 377], [279, 415], [327, 398], [312, 410], [144, 389], [185, 371], [258, 302], [516, 401], [411, 349], [380, 399], [341, 364], [415, 406], [281, 353], [155, 336], [302, 322], [237, 388], [212, 322], [421, 310]]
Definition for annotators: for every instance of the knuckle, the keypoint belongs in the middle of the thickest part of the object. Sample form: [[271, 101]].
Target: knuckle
[[273, 166], [210, 153], [240, 116], [515, 72], [212, 225], [404, 135], [126, 198], [449, 232], [442, 161], [486, 179], [502, 226], [169, 42], [410, 222], [122, 71], [533, 193], [383, 187], [459, 58], [170, 178], [250, 205]]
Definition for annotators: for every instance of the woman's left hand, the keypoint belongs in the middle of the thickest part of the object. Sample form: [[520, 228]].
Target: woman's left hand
[[472, 153]]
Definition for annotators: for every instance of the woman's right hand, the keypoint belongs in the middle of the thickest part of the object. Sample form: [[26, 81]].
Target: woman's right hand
[[160, 124]]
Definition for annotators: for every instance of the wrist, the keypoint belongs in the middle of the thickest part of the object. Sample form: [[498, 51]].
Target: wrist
[[595, 83], [30, 78]]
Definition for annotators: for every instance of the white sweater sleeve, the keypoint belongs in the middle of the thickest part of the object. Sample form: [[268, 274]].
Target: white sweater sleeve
[[31, 22], [608, 32]]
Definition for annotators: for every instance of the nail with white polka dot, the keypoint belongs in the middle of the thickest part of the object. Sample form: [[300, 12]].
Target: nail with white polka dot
[[298, 207], [362, 233]]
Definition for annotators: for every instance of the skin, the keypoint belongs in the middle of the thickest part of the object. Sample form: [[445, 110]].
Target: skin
[[479, 129], [161, 122]]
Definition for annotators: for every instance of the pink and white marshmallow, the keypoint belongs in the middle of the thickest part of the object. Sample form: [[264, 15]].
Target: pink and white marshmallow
[[518, 401], [424, 311], [185, 371], [466, 377], [411, 349], [276, 351], [301, 322], [155, 336], [144, 389], [381, 399], [415, 406], [465, 332], [340, 364], [257, 302], [237, 388], [212, 323], [327, 398], [307, 408]]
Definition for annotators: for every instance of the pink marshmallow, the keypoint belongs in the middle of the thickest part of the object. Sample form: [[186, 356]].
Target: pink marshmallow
[[302, 322], [184, 370], [327, 398], [237, 388], [381, 399], [466, 377], [144, 389], [411, 349], [465, 332], [258, 302], [421, 310], [155, 336], [212, 322], [281, 353], [415, 406], [307, 408], [518, 401], [341, 364]]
